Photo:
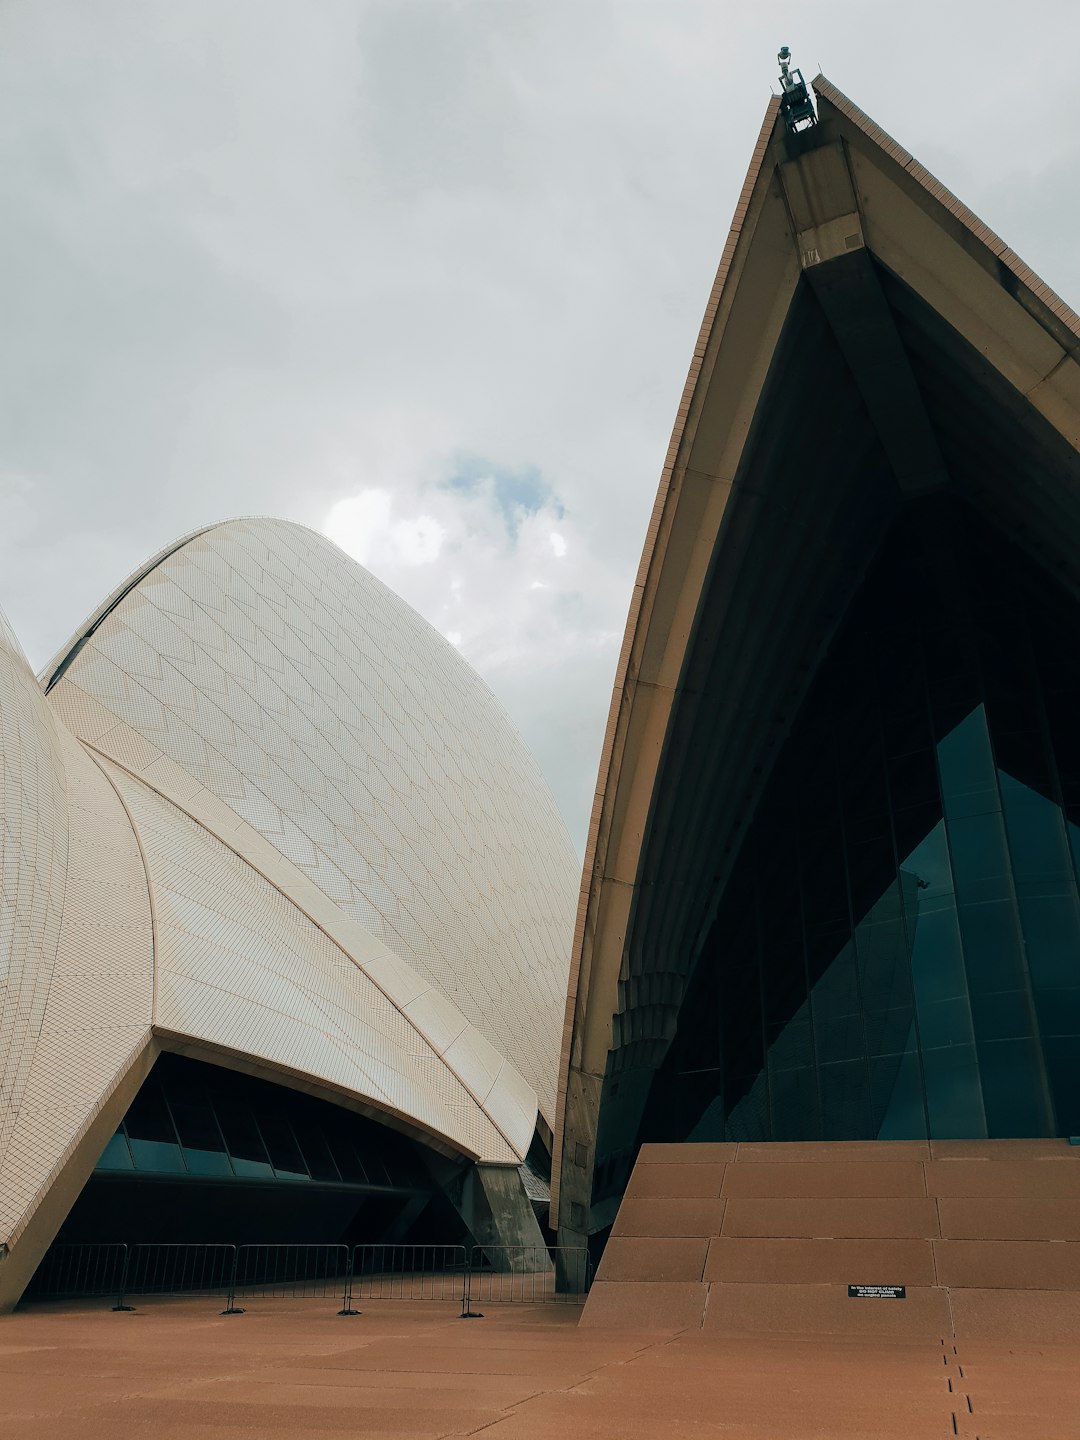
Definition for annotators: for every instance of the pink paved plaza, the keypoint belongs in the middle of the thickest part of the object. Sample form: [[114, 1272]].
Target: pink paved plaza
[[177, 1370]]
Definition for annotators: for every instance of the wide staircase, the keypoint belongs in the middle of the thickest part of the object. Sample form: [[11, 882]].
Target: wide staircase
[[982, 1236]]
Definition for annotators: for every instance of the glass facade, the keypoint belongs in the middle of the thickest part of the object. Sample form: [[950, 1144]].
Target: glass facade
[[202, 1122], [207, 1155], [896, 952]]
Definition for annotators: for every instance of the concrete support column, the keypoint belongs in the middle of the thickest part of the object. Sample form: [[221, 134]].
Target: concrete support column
[[492, 1202]]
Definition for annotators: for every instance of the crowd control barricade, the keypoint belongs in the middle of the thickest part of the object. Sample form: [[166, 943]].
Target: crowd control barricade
[[71, 1271], [488, 1274], [292, 1272], [172, 1269], [528, 1275], [409, 1272]]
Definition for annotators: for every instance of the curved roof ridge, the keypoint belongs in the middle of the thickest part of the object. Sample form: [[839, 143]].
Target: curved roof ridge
[[390, 973], [645, 580], [1001, 251], [59, 663], [56, 667]]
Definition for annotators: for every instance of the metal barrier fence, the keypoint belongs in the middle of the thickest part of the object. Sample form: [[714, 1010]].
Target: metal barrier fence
[[528, 1275], [178, 1270], [69, 1271], [292, 1272], [410, 1272], [490, 1274]]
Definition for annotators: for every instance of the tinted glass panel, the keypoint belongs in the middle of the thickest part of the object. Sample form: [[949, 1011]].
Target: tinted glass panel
[[116, 1155], [210, 1123], [243, 1138], [151, 1133], [896, 948], [200, 1137], [284, 1152]]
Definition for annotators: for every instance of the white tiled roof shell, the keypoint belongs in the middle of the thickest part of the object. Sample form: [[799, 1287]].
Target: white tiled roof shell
[[261, 663], [239, 968], [276, 758], [122, 916], [76, 953], [33, 866]]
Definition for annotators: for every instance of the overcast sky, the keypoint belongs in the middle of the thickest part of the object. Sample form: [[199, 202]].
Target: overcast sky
[[426, 275]]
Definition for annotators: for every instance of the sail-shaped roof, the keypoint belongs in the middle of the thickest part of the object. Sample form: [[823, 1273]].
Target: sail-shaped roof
[[265, 815], [867, 342]]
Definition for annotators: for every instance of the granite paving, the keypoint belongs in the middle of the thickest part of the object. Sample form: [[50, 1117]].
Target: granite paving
[[178, 1370]]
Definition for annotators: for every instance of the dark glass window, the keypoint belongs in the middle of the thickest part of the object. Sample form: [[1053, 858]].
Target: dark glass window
[[317, 1155], [200, 1137], [896, 950], [116, 1155], [217, 1124], [243, 1138], [285, 1154], [151, 1133]]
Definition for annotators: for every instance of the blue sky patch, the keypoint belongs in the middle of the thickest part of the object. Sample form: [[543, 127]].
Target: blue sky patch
[[516, 492]]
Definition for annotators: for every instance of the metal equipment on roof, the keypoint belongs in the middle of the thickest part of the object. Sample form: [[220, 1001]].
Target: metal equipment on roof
[[796, 104]]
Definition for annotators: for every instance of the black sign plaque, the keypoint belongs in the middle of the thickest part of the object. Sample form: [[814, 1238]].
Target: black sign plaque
[[877, 1292]]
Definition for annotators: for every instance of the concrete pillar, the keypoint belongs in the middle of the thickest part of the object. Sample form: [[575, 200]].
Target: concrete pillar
[[492, 1202]]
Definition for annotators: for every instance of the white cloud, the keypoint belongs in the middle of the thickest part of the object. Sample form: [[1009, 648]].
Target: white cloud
[[270, 258], [359, 521], [366, 527], [503, 594]]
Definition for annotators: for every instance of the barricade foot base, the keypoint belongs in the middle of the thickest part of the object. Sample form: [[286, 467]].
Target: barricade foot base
[[350, 1312], [125, 1309], [471, 1315], [234, 1310]]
